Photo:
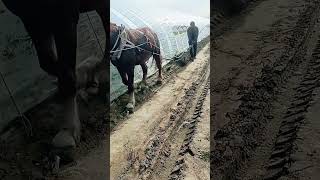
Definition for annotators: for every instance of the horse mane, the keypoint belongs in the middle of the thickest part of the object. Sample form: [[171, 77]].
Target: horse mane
[[113, 27]]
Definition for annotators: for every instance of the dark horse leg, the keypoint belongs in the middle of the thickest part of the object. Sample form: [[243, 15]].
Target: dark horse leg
[[145, 72], [66, 43], [124, 77], [61, 63], [131, 103], [44, 43], [158, 59]]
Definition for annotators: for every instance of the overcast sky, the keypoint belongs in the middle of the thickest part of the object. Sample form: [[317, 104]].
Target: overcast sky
[[159, 7]]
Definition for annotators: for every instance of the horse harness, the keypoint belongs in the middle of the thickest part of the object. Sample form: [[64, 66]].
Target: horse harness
[[125, 44]]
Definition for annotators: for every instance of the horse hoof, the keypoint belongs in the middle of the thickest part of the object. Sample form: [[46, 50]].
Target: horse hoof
[[64, 139], [130, 107], [67, 155]]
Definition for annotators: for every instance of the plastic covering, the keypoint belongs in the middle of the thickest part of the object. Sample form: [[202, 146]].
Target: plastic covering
[[171, 29]]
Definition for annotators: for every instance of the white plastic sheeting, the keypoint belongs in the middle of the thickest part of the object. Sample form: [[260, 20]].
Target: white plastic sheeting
[[171, 29]]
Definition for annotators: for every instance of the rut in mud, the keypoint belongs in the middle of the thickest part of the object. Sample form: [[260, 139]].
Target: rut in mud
[[280, 158], [171, 160], [177, 172], [261, 91]]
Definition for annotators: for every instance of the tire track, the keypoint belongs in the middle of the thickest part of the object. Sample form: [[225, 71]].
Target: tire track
[[280, 161], [238, 139], [160, 141], [177, 171], [217, 19]]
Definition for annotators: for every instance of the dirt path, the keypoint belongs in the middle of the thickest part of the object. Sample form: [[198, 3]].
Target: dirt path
[[261, 82], [138, 142], [198, 164]]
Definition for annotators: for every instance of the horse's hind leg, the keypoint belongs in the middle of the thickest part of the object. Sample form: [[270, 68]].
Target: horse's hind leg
[[131, 102], [145, 73], [158, 60]]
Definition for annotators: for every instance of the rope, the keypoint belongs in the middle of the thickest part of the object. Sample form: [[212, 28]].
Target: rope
[[136, 46], [132, 47], [25, 120]]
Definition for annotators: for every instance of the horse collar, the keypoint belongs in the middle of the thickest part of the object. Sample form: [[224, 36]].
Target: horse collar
[[118, 47], [123, 42], [120, 31]]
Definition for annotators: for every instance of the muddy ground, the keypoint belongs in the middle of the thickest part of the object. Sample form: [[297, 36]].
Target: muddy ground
[[264, 92]]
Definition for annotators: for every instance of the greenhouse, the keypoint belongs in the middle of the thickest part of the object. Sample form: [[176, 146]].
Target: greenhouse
[[171, 30]]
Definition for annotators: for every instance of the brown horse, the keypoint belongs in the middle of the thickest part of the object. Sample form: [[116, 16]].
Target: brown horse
[[52, 25], [131, 47]]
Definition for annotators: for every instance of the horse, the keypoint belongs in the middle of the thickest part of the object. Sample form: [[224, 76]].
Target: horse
[[131, 47], [52, 26]]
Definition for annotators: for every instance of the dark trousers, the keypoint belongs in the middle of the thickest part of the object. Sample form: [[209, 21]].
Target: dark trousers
[[193, 49]]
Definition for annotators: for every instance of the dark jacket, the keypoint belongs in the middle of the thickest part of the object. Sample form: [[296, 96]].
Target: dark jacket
[[193, 33]]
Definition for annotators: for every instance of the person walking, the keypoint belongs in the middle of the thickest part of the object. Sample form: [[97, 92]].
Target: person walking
[[193, 33]]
